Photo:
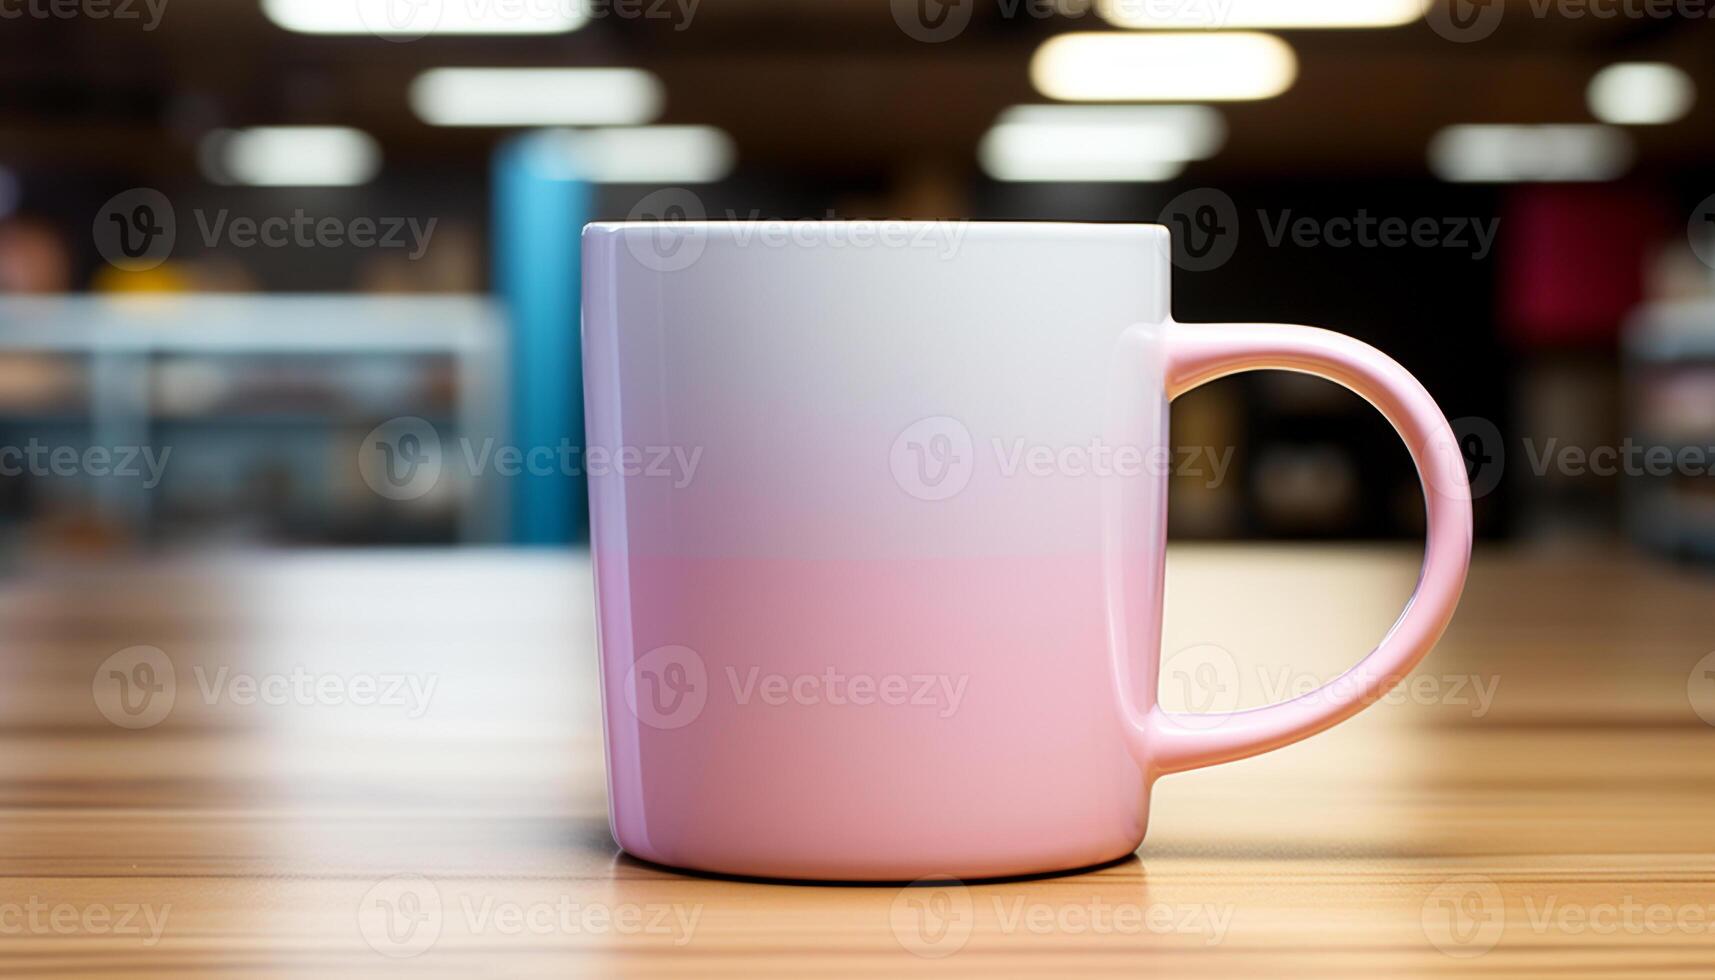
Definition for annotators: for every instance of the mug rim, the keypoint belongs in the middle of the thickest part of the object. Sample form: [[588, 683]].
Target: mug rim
[[1116, 229]]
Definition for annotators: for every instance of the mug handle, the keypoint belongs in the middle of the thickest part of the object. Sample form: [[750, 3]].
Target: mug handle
[[1199, 353]]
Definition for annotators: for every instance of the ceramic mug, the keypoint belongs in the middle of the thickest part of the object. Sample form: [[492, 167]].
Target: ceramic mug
[[879, 521]]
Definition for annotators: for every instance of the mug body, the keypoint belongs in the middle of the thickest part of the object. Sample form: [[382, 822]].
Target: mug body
[[878, 522]]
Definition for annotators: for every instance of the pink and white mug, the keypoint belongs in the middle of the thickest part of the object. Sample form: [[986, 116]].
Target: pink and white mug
[[879, 540]]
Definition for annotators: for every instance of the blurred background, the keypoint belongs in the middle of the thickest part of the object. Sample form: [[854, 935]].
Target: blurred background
[[259, 257]]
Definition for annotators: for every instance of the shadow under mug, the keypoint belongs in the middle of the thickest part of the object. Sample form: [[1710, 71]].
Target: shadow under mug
[[878, 518]]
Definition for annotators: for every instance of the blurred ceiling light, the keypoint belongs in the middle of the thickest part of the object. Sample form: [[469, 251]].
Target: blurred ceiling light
[[1115, 67], [416, 18], [536, 96], [639, 154], [1099, 143], [1641, 93], [1517, 154], [1157, 15], [290, 156]]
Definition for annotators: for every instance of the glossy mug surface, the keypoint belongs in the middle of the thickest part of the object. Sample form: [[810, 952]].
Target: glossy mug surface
[[878, 520]]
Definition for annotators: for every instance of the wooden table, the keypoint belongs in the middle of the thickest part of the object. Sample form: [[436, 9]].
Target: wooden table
[[1543, 800]]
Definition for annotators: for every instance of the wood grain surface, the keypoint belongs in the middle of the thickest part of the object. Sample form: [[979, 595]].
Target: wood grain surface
[[390, 764]]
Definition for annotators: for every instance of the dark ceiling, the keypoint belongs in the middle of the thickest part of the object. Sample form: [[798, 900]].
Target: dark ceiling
[[833, 86]]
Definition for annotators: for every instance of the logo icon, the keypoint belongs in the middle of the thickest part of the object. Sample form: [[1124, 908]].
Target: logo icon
[[677, 240], [933, 21], [1483, 451], [135, 687], [1700, 688], [933, 459], [1206, 679], [134, 231], [400, 459], [933, 917], [1464, 916], [400, 916], [1205, 228], [667, 687], [1701, 231], [400, 20], [1464, 21]]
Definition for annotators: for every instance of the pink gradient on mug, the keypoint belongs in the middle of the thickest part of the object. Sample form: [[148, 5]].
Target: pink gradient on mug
[[1026, 751]]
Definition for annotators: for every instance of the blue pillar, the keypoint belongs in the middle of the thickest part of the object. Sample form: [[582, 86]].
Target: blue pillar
[[540, 210]]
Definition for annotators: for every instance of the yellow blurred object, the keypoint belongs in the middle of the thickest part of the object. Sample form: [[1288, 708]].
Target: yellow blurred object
[[165, 278]]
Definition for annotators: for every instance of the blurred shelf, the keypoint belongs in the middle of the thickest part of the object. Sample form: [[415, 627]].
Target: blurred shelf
[[248, 324], [1672, 333], [264, 399], [1670, 367]]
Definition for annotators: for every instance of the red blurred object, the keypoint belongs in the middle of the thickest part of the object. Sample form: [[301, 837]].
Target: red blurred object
[[1572, 261]]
